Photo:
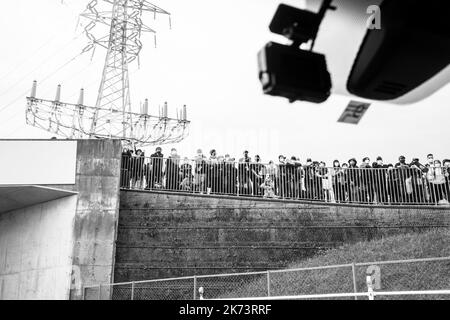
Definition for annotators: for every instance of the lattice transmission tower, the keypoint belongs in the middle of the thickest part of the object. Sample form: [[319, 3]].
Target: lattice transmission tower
[[112, 116]]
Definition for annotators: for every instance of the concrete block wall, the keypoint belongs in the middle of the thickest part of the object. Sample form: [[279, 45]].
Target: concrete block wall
[[164, 235]]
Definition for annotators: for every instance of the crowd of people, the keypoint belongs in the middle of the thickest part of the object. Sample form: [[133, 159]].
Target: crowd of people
[[369, 182]]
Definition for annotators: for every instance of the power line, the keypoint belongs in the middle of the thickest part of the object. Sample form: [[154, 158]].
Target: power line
[[39, 65], [20, 64]]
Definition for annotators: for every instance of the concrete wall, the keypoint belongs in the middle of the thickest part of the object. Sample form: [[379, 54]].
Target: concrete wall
[[36, 250], [95, 227], [97, 182], [168, 235]]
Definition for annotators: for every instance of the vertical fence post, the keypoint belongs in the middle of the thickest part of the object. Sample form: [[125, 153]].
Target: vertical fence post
[[99, 292], [195, 287], [370, 288], [132, 290], [268, 283], [355, 288]]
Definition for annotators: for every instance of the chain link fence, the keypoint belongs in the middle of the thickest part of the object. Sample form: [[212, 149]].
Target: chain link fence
[[401, 275]]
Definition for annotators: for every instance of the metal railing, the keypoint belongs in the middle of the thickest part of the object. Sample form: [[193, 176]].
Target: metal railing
[[430, 274], [381, 186]]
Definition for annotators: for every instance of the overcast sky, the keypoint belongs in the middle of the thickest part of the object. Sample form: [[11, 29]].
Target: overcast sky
[[207, 61]]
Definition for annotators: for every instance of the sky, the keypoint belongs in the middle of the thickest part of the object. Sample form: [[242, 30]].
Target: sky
[[207, 60]]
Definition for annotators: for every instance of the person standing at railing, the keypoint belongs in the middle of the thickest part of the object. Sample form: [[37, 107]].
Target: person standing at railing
[[324, 183], [200, 172], [156, 163], [367, 182], [186, 175], [402, 174], [125, 167], [290, 177], [220, 174], [393, 192], [337, 178], [417, 183], [272, 171], [173, 171], [231, 175], [309, 173], [244, 175], [281, 179], [137, 169], [346, 181], [211, 175], [380, 181], [298, 177], [353, 180], [256, 169], [436, 177]]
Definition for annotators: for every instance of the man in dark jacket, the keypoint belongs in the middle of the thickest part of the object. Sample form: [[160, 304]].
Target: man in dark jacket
[[125, 175], [380, 181], [156, 162], [353, 180], [403, 173]]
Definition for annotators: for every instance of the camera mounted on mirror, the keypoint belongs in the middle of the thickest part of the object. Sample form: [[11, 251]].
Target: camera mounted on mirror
[[289, 71]]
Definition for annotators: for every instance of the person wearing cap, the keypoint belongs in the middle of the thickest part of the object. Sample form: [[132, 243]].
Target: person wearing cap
[[353, 180], [156, 164], [137, 169], [381, 187]]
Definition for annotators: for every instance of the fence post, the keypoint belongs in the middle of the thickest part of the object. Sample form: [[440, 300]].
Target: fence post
[[99, 292], [355, 288], [132, 290], [370, 288], [195, 287], [83, 295], [268, 283]]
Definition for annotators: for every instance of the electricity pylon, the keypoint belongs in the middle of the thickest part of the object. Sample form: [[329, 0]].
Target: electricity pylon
[[112, 116]]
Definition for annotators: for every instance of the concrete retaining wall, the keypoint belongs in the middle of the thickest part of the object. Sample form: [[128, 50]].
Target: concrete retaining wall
[[36, 251], [169, 235], [95, 227]]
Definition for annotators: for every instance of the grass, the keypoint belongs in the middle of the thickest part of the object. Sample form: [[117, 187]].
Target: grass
[[394, 277]]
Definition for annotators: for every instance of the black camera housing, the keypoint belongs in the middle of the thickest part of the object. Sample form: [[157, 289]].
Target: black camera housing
[[295, 74], [288, 71]]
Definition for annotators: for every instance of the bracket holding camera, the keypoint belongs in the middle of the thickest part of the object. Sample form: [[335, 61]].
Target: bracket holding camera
[[299, 25]]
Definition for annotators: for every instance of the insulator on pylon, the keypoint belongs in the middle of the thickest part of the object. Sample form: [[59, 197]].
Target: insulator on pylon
[[58, 93], [165, 110], [184, 114], [33, 89], [144, 107], [81, 98]]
